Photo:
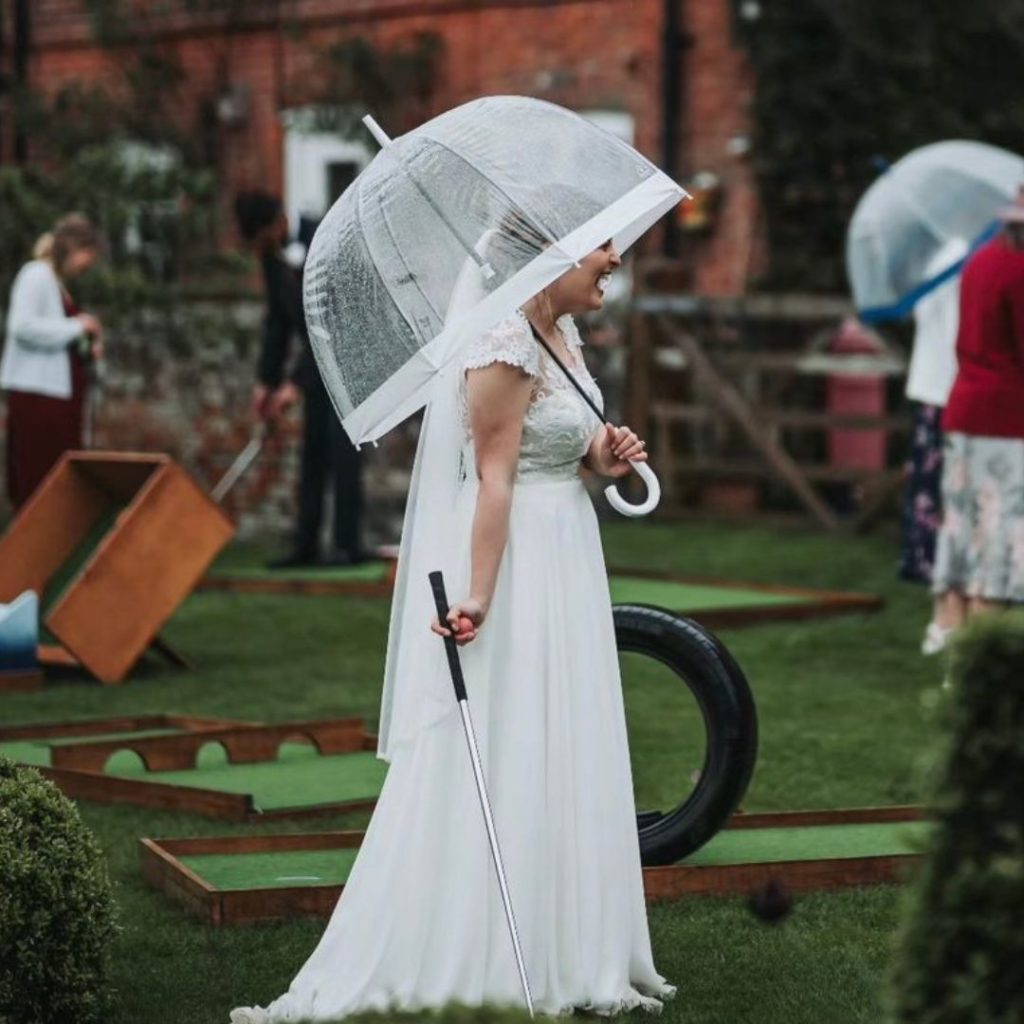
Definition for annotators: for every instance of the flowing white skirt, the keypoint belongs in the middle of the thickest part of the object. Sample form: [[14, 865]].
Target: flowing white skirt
[[421, 922]]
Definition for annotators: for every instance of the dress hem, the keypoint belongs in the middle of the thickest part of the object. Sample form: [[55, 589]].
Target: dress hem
[[652, 1004]]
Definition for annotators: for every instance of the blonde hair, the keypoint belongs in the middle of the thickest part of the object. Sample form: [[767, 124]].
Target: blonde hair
[[43, 249]]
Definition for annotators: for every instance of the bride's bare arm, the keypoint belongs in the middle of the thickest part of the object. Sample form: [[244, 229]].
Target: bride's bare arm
[[498, 396]]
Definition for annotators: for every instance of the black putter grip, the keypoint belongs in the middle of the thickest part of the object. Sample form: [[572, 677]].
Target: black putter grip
[[450, 647]]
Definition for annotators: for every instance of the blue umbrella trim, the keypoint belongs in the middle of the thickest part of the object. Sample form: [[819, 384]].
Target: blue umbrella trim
[[905, 303]]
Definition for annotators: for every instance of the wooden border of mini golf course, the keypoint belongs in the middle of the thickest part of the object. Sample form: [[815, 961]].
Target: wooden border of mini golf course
[[163, 869], [813, 604], [27, 681], [273, 583], [79, 773]]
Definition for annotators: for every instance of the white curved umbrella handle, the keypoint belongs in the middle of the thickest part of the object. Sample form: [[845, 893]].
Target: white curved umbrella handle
[[649, 504]]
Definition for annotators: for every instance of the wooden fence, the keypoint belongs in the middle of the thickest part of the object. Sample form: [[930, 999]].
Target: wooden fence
[[733, 391]]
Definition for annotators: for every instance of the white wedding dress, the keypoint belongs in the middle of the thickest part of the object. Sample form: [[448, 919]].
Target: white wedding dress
[[420, 922]]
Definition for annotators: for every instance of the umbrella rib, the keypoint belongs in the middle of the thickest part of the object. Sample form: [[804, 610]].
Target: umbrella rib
[[412, 277], [497, 188], [394, 302]]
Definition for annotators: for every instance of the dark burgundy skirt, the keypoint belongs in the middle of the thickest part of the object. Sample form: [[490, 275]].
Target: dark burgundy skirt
[[40, 429]]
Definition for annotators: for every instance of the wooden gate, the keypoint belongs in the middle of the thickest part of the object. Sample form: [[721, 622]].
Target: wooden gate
[[733, 389]]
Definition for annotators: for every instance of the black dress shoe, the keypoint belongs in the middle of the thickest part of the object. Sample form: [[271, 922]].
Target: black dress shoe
[[295, 560]]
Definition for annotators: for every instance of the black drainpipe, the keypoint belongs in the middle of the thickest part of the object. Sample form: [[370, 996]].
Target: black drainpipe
[[22, 42]]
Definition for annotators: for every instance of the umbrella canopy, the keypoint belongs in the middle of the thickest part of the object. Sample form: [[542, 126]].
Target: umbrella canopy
[[520, 187], [947, 190]]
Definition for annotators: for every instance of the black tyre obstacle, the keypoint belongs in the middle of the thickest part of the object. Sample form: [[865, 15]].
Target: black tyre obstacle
[[721, 690]]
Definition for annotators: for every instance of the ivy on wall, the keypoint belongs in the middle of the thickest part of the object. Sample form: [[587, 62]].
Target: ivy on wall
[[140, 153], [843, 87]]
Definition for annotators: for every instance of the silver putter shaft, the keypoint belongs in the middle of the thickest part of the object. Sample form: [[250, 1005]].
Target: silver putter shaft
[[244, 460], [441, 602]]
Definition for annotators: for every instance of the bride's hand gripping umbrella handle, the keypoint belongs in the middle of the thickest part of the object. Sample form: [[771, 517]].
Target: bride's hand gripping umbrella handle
[[649, 504], [617, 502]]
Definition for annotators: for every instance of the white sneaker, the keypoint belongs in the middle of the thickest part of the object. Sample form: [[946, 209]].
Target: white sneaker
[[936, 638]]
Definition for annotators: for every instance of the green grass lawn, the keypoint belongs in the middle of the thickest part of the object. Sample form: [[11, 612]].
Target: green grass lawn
[[843, 723]]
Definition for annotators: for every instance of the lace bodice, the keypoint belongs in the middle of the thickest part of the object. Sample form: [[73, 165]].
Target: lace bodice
[[558, 424]]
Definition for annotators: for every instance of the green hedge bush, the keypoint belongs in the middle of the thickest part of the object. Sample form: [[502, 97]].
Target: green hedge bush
[[56, 907], [961, 955]]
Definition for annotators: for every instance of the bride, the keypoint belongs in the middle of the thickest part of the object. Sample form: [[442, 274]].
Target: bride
[[420, 921]]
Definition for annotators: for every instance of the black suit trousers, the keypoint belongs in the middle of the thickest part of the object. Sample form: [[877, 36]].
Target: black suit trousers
[[328, 457]]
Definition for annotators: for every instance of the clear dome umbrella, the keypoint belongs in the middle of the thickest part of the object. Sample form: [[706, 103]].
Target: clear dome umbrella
[[943, 191], [514, 190]]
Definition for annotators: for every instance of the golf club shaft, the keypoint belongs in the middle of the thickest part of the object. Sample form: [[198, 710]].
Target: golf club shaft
[[492, 837], [237, 468], [459, 684]]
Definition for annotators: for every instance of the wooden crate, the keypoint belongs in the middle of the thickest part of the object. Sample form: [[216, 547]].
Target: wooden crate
[[163, 868], [160, 532]]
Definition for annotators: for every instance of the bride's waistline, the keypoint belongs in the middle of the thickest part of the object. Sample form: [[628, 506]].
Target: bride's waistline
[[531, 484]]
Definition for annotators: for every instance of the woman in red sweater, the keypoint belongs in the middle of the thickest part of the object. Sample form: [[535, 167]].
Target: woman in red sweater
[[980, 557]]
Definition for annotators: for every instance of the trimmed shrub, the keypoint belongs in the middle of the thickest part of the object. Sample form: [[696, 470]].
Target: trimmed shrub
[[56, 906], [961, 954]]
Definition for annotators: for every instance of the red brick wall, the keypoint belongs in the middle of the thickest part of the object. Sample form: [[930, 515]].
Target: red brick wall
[[717, 91], [580, 53]]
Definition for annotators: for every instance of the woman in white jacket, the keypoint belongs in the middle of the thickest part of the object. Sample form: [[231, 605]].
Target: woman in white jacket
[[43, 364]]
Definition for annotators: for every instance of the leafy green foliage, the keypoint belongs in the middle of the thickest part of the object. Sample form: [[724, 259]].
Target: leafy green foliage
[[56, 906], [962, 949], [128, 157], [843, 86]]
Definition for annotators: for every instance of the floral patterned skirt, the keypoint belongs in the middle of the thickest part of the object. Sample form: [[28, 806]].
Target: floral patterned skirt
[[922, 498], [981, 544]]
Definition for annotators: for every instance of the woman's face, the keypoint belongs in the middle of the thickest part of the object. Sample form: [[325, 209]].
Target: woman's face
[[582, 289], [78, 262]]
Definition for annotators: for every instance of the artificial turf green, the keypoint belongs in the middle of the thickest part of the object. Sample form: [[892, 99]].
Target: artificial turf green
[[693, 596], [845, 721], [272, 870], [815, 842], [285, 869], [299, 778], [27, 751]]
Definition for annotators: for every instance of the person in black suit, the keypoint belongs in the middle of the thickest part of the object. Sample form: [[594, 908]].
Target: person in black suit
[[287, 370]]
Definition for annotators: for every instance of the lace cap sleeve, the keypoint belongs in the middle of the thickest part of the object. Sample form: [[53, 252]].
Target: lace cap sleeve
[[509, 341]]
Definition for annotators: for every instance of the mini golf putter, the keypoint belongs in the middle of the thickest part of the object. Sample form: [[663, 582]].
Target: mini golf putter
[[459, 684]]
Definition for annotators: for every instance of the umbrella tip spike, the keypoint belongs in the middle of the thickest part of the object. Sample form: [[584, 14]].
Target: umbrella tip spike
[[383, 139]]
